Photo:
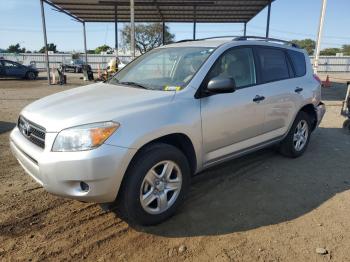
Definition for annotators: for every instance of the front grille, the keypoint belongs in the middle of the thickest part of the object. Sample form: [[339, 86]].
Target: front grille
[[31, 131]]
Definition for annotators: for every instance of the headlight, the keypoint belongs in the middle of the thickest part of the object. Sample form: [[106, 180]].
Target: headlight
[[84, 137]]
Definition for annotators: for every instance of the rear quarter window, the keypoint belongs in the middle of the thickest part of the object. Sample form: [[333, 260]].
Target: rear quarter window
[[298, 60]]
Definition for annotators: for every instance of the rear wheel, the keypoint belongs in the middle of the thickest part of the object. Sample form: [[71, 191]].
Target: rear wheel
[[346, 126], [297, 140], [31, 75], [155, 186]]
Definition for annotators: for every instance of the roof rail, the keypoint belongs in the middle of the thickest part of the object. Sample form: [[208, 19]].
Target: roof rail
[[183, 40], [222, 36], [207, 38], [267, 39]]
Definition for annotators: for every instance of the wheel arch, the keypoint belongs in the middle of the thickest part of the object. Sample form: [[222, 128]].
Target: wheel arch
[[178, 140], [310, 110]]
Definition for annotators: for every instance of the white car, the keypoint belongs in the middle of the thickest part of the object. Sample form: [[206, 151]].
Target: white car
[[171, 113]]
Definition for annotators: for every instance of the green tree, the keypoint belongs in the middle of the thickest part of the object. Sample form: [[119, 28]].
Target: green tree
[[102, 48], [346, 49], [330, 51], [147, 36], [75, 55], [308, 44], [16, 49], [50, 47]]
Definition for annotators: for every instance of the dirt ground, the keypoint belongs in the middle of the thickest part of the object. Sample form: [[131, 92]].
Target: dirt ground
[[261, 207]]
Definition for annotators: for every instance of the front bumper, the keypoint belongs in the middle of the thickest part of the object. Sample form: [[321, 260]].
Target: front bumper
[[61, 173], [320, 111]]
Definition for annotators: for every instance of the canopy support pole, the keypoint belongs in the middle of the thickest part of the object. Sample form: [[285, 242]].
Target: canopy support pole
[[268, 20], [132, 29], [163, 32], [45, 41], [116, 29], [245, 29], [194, 22], [85, 48], [319, 35]]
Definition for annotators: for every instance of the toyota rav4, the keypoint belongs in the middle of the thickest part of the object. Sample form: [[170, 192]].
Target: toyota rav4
[[137, 139]]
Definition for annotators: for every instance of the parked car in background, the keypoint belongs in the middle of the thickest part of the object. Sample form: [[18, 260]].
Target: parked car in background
[[179, 109], [13, 69], [75, 65]]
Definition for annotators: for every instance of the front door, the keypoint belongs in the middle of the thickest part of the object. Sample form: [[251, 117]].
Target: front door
[[14, 69], [232, 122]]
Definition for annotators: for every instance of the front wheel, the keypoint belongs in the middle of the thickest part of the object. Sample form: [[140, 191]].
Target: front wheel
[[155, 185], [298, 137]]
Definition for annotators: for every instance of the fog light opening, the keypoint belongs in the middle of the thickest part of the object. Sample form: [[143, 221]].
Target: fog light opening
[[84, 187]]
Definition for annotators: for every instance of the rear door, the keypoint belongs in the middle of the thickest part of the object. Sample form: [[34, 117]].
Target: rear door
[[279, 88]]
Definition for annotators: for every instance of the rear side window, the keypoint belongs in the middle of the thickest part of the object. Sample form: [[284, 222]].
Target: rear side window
[[273, 64], [298, 60]]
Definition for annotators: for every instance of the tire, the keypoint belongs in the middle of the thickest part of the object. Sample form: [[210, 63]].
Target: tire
[[290, 146], [76, 70], [135, 203], [30, 75], [346, 126]]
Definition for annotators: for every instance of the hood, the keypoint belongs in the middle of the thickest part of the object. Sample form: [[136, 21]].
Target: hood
[[93, 103]]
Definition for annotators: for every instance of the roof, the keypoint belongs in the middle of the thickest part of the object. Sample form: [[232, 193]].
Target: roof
[[212, 42], [211, 11]]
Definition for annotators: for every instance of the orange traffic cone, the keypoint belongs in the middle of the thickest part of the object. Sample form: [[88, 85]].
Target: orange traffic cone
[[326, 83]]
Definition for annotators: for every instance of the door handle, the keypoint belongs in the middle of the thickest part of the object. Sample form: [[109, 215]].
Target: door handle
[[298, 90], [258, 98]]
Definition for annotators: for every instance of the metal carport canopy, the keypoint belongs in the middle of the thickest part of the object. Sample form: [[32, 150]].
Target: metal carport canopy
[[194, 11], [223, 11]]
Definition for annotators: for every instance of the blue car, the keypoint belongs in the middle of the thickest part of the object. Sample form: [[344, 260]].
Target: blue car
[[13, 69]]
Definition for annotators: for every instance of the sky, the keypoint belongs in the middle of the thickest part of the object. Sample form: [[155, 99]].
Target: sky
[[20, 22]]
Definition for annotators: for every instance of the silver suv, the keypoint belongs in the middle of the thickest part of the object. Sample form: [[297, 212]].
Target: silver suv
[[137, 139]]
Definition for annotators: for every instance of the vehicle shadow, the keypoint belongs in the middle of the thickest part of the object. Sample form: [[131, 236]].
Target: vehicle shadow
[[262, 189], [23, 79], [6, 126]]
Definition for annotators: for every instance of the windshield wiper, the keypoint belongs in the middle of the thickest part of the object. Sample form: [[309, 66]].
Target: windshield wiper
[[133, 84]]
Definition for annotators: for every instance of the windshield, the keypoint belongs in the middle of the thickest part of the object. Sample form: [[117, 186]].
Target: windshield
[[163, 68]]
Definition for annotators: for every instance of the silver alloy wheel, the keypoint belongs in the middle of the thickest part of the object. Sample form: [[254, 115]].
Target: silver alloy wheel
[[160, 187], [301, 135]]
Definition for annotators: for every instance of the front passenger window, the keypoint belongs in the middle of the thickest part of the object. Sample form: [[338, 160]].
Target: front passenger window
[[237, 64]]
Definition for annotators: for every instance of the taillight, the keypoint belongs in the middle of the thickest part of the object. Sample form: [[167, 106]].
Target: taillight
[[317, 79]]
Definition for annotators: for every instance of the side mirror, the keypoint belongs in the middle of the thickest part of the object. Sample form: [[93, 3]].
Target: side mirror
[[221, 85]]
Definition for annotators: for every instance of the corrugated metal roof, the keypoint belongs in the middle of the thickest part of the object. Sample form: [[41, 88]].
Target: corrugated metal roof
[[163, 10]]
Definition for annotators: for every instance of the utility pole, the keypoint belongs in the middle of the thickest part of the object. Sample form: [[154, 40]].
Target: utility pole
[[319, 36]]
